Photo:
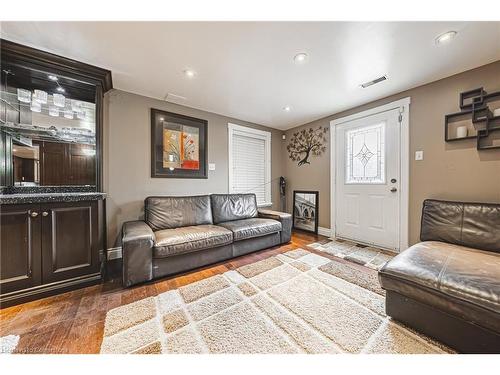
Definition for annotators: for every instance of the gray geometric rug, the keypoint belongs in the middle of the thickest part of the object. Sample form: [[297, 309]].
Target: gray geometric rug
[[296, 302], [367, 256]]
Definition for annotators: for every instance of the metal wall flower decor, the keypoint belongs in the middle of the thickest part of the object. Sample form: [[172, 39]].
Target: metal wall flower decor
[[307, 142]]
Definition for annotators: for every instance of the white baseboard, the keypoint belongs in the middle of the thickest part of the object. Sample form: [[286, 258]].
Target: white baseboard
[[114, 253], [324, 231]]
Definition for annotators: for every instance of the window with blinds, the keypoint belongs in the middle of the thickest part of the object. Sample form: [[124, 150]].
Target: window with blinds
[[250, 162]]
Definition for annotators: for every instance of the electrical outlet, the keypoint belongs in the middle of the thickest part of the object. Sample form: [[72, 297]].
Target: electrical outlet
[[419, 155], [211, 166]]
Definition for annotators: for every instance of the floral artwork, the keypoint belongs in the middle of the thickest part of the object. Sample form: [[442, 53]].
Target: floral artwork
[[180, 147]]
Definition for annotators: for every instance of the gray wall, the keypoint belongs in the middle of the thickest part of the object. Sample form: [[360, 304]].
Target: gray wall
[[455, 171], [127, 149]]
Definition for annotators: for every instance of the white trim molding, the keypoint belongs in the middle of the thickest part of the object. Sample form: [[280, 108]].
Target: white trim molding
[[251, 132], [404, 109], [327, 232]]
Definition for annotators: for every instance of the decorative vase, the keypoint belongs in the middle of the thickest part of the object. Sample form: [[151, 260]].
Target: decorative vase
[[462, 132]]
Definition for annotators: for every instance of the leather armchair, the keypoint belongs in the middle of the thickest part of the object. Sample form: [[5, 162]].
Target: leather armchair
[[448, 285]]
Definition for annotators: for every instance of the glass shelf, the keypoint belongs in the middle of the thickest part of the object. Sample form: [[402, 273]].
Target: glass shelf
[[39, 125]]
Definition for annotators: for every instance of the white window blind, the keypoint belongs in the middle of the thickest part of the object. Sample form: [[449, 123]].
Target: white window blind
[[250, 162]]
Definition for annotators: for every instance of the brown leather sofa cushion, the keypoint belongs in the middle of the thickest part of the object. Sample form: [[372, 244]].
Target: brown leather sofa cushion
[[254, 227], [229, 207], [466, 281], [173, 212], [474, 225], [183, 240]]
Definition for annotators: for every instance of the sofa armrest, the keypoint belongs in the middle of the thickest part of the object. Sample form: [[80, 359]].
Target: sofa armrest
[[284, 218], [137, 252]]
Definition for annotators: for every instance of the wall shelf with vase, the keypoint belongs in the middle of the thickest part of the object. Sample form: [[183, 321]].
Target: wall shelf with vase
[[476, 120]]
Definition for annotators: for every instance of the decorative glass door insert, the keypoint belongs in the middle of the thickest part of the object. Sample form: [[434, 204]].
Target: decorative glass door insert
[[365, 155]]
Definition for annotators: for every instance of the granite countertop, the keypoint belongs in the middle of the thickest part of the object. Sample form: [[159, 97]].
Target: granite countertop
[[21, 198]]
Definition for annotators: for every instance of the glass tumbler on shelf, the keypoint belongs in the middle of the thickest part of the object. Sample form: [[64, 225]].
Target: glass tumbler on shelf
[[40, 96], [53, 111], [35, 106], [68, 113], [24, 95], [76, 106], [81, 115], [59, 100]]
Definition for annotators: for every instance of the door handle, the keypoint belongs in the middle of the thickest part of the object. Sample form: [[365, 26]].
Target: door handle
[[393, 190], [34, 214], [45, 213]]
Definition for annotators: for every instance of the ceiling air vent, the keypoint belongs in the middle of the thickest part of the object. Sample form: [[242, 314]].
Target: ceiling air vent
[[174, 97], [376, 80]]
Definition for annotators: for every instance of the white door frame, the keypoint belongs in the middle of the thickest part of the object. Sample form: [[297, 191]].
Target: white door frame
[[404, 109]]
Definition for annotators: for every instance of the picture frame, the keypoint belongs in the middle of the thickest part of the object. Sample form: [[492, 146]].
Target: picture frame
[[305, 210], [179, 146]]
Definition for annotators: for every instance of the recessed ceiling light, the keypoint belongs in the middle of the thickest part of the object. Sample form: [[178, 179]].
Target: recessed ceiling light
[[189, 73], [446, 37], [287, 108], [300, 58], [52, 77], [60, 89]]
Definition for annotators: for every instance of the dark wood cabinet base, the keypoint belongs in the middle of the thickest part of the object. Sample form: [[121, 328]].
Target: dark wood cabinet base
[[49, 248], [47, 290]]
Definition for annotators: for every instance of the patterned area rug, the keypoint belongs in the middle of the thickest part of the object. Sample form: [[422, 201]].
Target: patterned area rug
[[296, 302], [367, 256]]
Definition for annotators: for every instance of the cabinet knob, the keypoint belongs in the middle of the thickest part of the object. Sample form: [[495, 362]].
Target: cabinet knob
[[45, 213], [34, 214]]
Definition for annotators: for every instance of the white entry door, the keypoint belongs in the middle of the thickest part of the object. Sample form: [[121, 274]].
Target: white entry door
[[367, 181]]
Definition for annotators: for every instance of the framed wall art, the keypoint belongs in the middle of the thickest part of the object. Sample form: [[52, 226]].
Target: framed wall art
[[305, 210], [178, 145]]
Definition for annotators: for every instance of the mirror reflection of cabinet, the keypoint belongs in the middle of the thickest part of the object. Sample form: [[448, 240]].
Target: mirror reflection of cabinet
[[66, 164]]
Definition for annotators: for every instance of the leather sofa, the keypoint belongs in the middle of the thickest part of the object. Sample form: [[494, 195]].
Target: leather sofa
[[448, 285], [183, 233]]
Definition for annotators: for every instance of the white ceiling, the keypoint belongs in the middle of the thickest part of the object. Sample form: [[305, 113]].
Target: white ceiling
[[246, 70]]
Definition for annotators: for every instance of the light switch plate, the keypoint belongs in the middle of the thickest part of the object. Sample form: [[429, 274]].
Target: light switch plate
[[419, 155], [211, 166]]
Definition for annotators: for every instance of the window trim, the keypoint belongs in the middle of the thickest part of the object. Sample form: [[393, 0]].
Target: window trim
[[255, 133]]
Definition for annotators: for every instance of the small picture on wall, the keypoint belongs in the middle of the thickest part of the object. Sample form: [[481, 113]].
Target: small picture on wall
[[305, 210], [178, 145]]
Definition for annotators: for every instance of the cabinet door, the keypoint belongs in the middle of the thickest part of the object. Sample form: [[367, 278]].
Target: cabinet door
[[69, 240], [20, 250]]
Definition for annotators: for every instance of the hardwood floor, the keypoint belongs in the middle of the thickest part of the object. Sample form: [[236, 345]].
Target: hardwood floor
[[73, 322]]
